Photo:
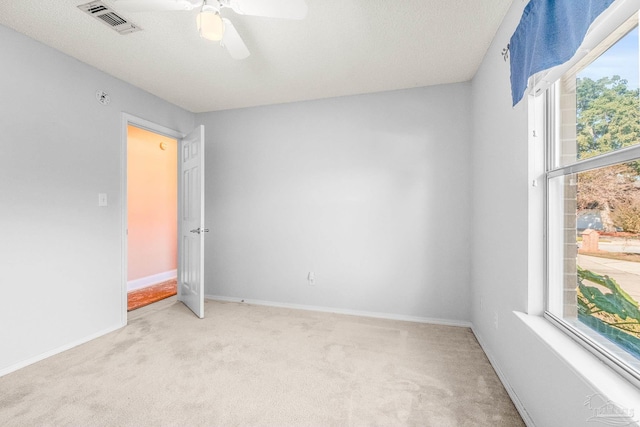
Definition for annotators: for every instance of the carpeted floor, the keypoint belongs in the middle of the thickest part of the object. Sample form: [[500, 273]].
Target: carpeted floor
[[150, 294], [247, 365]]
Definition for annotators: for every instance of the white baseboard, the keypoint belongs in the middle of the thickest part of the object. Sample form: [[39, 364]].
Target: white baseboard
[[55, 351], [389, 316], [505, 382], [143, 282]]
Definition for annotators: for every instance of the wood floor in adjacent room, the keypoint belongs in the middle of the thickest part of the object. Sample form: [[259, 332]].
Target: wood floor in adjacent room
[[246, 365], [150, 294]]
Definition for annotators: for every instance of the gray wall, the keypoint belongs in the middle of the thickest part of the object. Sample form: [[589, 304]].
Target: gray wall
[[370, 192], [61, 254], [506, 259]]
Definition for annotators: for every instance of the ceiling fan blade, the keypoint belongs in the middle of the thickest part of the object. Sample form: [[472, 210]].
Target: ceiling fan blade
[[155, 5], [287, 9], [232, 41]]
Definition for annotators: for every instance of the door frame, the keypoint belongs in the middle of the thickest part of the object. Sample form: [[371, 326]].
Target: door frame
[[129, 119]]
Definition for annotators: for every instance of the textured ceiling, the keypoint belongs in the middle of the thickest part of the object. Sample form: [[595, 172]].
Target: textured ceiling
[[342, 47]]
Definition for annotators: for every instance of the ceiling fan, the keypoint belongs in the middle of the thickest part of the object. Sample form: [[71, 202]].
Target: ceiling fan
[[211, 25]]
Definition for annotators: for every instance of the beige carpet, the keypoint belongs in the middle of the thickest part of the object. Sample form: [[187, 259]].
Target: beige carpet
[[262, 366]]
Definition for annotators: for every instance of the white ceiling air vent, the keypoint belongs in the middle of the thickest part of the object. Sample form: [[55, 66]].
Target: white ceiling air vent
[[107, 16]]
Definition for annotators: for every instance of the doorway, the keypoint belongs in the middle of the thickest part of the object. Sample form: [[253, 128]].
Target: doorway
[[152, 209], [191, 227]]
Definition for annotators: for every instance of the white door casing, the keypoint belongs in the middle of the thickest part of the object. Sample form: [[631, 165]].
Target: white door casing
[[191, 222]]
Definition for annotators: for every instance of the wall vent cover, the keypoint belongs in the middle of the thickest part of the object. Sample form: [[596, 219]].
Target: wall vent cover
[[109, 17]]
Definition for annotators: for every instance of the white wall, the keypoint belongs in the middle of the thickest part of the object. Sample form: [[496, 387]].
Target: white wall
[[61, 254], [370, 192], [506, 261]]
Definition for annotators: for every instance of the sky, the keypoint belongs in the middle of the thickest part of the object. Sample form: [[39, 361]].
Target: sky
[[621, 59]]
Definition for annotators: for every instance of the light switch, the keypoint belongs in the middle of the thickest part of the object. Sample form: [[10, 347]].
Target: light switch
[[102, 199]]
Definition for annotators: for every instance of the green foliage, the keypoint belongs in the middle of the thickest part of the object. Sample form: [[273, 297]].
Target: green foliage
[[608, 115], [608, 118], [615, 308]]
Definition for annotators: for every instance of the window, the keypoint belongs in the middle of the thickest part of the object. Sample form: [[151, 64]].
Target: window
[[593, 200]]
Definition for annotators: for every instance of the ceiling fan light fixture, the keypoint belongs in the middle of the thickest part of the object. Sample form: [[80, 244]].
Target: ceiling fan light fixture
[[210, 25]]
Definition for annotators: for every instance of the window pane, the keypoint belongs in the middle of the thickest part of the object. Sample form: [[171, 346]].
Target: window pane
[[594, 255], [599, 102]]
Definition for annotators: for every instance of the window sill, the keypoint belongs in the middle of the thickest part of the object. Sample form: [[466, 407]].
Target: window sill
[[588, 367]]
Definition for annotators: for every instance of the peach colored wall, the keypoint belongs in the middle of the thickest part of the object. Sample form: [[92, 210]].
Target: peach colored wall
[[152, 190]]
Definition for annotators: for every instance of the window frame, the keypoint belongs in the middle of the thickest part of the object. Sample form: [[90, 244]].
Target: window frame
[[549, 97]]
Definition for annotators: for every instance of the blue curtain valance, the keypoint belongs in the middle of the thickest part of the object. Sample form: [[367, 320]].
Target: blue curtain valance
[[549, 34]]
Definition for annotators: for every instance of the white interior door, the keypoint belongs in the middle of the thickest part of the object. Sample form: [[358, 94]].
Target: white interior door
[[191, 222]]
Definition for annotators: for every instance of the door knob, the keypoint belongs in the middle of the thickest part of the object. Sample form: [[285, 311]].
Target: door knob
[[200, 230]]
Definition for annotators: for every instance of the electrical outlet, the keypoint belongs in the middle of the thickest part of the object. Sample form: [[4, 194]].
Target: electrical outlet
[[311, 278]]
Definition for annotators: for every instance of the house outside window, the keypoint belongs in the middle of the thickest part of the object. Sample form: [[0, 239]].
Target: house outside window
[[593, 200]]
